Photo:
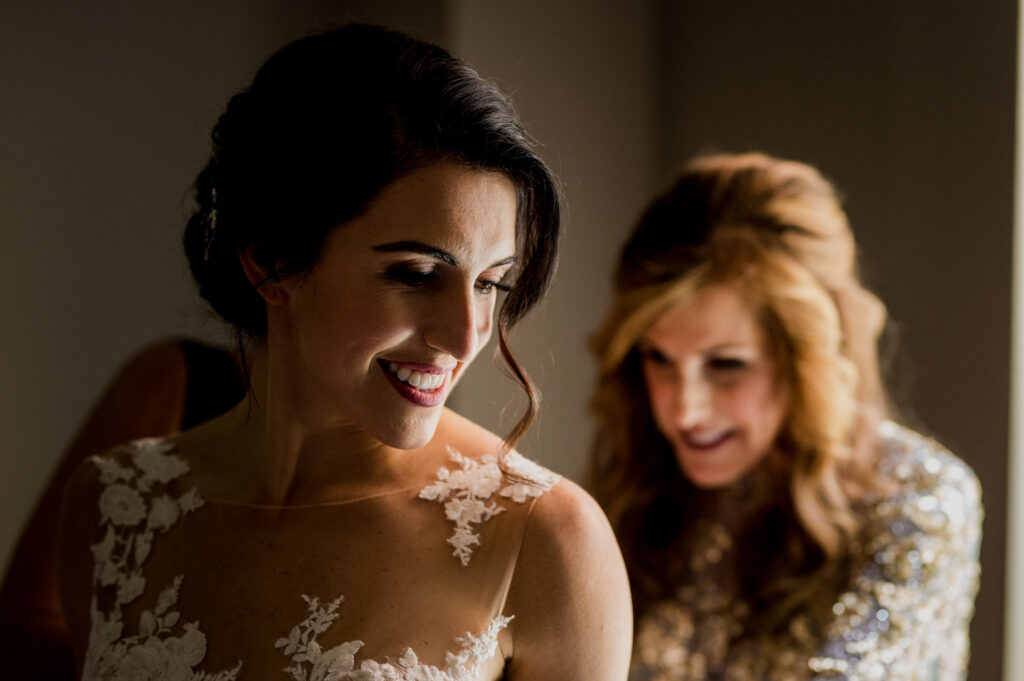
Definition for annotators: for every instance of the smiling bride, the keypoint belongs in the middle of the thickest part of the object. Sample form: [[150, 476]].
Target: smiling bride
[[367, 203]]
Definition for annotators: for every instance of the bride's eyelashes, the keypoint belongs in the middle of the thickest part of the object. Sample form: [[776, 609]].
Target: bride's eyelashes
[[410, 275], [416, 277]]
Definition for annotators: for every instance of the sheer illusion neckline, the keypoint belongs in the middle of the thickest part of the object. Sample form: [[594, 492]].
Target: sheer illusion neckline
[[219, 501], [147, 491]]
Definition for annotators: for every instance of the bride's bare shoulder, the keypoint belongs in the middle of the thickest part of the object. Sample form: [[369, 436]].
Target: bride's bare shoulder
[[570, 593]]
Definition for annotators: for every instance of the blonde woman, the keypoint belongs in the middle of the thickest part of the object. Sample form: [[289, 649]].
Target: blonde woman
[[775, 523]]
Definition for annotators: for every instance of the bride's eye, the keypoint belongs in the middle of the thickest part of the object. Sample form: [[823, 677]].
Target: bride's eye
[[488, 285], [410, 276]]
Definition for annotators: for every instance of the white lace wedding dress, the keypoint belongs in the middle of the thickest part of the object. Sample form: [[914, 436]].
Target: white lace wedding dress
[[187, 588]]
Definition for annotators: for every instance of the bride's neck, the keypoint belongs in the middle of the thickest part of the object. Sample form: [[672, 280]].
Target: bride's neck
[[296, 455]]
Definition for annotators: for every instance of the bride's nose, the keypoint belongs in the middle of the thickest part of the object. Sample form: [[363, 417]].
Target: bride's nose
[[460, 324]]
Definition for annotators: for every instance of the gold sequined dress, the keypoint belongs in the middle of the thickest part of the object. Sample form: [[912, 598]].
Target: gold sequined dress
[[902, 614]]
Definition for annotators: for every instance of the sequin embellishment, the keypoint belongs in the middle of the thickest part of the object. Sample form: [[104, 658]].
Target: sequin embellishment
[[903, 616]]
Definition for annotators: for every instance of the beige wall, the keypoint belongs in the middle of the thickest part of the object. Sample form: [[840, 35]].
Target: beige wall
[[908, 106], [580, 73]]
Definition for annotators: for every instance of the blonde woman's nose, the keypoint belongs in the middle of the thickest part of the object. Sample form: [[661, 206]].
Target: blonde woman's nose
[[695, 396]]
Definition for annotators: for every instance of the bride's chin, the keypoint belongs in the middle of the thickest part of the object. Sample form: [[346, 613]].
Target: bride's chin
[[411, 435]]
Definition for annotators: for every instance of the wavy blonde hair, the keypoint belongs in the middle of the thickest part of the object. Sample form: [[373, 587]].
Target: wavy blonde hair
[[776, 231]]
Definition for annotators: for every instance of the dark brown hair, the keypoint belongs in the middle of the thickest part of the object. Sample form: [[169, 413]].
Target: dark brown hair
[[328, 122]]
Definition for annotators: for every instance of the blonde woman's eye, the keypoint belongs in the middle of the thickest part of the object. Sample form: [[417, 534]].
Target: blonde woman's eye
[[727, 364], [653, 355]]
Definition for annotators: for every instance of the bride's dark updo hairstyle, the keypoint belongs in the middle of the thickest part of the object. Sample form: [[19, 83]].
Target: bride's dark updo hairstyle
[[328, 122]]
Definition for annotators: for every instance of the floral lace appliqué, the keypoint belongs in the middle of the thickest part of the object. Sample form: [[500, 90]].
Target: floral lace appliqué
[[467, 491], [134, 508], [312, 663]]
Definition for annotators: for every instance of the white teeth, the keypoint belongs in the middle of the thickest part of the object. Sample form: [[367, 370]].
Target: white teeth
[[416, 379], [704, 439]]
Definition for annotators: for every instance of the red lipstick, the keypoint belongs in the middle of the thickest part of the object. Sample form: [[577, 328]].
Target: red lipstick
[[421, 398]]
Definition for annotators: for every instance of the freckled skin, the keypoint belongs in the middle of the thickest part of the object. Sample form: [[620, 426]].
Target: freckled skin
[[713, 386], [352, 312]]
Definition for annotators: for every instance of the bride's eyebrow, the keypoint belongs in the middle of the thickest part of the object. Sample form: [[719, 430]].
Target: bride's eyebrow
[[418, 247], [506, 261], [430, 251]]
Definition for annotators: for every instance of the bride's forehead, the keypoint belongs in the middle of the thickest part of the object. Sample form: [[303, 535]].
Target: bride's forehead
[[444, 193], [448, 207]]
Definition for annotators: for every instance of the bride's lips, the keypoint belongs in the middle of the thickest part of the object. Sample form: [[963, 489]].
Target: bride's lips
[[432, 381]]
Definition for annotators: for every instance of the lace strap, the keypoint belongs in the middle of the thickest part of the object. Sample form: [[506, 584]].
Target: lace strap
[[468, 491]]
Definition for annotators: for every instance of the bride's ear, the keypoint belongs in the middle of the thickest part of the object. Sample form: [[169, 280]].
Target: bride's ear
[[263, 278]]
